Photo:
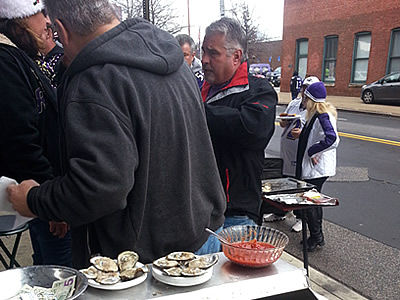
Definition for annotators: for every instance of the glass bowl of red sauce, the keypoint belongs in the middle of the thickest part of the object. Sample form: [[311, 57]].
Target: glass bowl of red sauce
[[253, 246]]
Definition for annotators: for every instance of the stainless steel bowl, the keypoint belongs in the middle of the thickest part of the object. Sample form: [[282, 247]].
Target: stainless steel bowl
[[11, 281]]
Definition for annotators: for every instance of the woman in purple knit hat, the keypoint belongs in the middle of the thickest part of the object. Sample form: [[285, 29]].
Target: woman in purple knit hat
[[316, 152]]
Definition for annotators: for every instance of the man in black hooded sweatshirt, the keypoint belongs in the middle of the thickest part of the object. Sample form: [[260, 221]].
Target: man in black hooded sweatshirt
[[139, 172]]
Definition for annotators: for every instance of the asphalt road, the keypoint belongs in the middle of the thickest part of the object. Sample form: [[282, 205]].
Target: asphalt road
[[367, 182]]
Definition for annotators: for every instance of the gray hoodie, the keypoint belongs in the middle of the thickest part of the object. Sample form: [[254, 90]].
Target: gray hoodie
[[139, 168]]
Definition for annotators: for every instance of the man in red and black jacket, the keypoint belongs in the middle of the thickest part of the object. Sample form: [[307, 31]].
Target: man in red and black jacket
[[240, 111]]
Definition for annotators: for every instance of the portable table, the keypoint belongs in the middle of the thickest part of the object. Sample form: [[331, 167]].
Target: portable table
[[288, 185]]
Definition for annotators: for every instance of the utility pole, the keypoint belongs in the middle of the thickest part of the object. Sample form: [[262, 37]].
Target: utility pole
[[146, 11], [222, 8], [188, 17]]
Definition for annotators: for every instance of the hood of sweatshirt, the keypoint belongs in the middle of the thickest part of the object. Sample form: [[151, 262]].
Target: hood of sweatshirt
[[135, 43]]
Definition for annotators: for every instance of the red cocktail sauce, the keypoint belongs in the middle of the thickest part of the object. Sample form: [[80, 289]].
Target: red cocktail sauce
[[253, 244]]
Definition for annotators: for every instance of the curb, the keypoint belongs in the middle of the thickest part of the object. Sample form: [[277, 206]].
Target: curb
[[323, 284]]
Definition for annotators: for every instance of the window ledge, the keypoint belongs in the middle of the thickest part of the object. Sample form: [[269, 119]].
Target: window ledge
[[329, 83], [356, 85]]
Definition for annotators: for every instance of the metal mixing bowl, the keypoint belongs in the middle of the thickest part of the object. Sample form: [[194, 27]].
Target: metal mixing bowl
[[12, 280]]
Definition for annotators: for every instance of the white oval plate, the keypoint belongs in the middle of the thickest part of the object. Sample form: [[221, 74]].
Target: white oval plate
[[288, 117], [119, 285], [181, 281]]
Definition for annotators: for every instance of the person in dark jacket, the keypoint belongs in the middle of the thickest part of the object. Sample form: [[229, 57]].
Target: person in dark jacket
[[49, 61], [139, 169], [28, 116], [188, 49], [295, 85], [240, 111]]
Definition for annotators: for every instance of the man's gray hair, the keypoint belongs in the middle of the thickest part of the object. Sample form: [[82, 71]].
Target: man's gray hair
[[81, 16], [186, 39], [235, 37]]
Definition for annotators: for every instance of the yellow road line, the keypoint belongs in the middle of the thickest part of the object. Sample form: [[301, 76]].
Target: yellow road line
[[369, 139], [364, 138]]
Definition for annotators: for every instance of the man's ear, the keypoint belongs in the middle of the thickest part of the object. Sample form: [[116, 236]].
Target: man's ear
[[63, 32], [237, 56]]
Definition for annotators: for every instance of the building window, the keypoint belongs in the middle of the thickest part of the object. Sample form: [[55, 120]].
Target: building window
[[330, 54], [301, 57], [362, 45], [394, 52]]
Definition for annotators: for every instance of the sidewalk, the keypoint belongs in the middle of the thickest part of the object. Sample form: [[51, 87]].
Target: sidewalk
[[352, 104]]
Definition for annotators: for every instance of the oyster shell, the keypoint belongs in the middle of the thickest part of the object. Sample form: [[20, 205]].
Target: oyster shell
[[107, 277], [190, 272], [104, 264], [203, 262], [127, 260], [181, 256], [164, 263], [130, 274], [90, 273], [175, 271]]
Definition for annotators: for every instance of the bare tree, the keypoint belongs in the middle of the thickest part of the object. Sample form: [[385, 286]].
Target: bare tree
[[241, 12], [161, 13]]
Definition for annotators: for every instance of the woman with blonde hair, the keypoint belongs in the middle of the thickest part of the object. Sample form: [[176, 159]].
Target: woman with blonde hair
[[316, 152]]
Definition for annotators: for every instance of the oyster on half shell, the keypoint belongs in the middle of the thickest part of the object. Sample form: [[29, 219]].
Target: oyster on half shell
[[107, 277], [175, 271], [190, 272], [127, 260], [164, 263], [90, 273], [181, 256], [130, 274], [104, 264], [203, 262]]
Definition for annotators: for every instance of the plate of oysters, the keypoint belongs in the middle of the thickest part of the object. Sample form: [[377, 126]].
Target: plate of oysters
[[184, 268], [116, 274]]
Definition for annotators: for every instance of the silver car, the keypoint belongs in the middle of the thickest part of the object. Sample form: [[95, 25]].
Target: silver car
[[385, 89]]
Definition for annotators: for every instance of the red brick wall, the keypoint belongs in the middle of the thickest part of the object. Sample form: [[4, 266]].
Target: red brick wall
[[261, 52], [316, 19]]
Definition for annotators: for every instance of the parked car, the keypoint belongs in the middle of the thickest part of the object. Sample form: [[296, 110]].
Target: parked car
[[261, 69], [385, 89], [275, 77]]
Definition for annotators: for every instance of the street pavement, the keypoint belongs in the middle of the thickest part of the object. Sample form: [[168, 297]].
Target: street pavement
[[349, 267], [351, 260]]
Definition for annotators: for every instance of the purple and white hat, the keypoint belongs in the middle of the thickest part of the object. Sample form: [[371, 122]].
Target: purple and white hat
[[310, 80], [14, 9], [316, 92]]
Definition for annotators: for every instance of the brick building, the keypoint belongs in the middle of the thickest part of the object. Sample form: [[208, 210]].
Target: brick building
[[266, 52], [346, 43]]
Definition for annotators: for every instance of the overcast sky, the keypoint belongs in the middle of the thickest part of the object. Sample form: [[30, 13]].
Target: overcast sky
[[267, 13]]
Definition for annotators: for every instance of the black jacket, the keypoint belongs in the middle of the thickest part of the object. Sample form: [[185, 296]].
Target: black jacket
[[28, 119], [241, 122]]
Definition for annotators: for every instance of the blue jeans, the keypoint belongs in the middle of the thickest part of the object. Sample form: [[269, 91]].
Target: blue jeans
[[238, 220], [47, 248], [212, 245]]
